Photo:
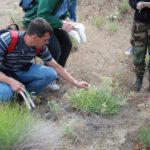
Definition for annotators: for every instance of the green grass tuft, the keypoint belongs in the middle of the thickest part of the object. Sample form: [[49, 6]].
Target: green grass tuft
[[112, 27], [96, 100], [68, 130], [54, 107], [144, 135], [14, 122], [124, 6], [98, 21]]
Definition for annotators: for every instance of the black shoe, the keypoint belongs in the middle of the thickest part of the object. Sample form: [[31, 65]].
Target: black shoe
[[138, 84]]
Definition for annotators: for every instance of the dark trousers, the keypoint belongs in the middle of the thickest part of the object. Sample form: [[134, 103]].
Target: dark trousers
[[60, 46]]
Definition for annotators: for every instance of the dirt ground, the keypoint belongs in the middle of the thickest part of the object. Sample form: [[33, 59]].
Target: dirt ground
[[102, 56]]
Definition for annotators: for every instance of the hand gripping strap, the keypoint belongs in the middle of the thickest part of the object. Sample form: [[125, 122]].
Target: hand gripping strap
[[14, 39]]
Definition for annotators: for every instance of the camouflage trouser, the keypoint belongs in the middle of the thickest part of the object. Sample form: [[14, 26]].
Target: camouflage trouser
[[140, 40]]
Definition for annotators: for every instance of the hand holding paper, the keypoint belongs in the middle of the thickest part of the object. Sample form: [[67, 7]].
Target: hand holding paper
[[78, 32]]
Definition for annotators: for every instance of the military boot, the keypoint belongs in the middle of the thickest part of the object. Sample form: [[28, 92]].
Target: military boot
[[139, 81]]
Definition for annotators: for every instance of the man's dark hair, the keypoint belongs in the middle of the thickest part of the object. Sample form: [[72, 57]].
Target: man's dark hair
[[39, 27]]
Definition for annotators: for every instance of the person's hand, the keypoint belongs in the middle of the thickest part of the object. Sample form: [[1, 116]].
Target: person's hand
[[67, 26], [82, 84], [16, 86], [139, 6]]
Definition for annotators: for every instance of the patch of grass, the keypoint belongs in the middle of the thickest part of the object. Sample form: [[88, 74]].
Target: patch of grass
[[98, 21], [147, 59], [124, 6], [112, 27], [14, 122], [96, 100], [54, 107], [114, 16], [68, 130], [75, 44], [144, 135]]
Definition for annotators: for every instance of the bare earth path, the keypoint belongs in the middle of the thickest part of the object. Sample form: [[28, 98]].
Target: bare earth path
[[102, 56]]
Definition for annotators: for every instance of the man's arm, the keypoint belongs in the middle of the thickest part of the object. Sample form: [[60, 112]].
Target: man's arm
[[14, 84], [46, 10], [66, 76]]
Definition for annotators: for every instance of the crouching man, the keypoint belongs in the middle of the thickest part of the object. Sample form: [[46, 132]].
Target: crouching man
[[16, 70]]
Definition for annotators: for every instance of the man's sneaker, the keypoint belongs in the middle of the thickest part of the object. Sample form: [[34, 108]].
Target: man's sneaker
[[54, 86]]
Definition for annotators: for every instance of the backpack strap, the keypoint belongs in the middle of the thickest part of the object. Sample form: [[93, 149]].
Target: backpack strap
[[13, 26], [14, 39], [38, 50]]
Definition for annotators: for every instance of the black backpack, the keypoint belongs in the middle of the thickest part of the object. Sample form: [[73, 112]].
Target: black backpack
[[13, 29]]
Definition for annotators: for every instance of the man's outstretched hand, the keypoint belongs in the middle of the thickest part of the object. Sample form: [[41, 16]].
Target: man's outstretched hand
[[82, 84]]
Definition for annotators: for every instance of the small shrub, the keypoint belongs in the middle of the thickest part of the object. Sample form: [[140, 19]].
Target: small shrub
[[124, 6], [144, 135], [147, 59], [98, 21], [96, 100], [75, 44], [112, 27], [68, 130], [54, 107], [114, 16], [14, 122]]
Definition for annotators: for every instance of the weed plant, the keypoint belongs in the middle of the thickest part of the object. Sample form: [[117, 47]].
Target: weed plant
[[96, 100], [124, 6], [114, 16], [73, 41], [75, 44], [144, 135], [112, 27], [54, 107], [68, 130], [14, 122], [147, 59], [98, 21]]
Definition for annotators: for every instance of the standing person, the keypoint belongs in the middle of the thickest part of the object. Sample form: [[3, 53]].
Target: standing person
[[55, 12], [72, 10], [140, 39], [16, 70]]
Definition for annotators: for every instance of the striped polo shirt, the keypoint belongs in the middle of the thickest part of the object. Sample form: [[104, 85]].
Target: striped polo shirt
[[21, 55]]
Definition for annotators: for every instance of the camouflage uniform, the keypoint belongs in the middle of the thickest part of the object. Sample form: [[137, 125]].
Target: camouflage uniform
[[140, 40]]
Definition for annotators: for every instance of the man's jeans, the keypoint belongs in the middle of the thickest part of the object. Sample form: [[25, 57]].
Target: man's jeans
[[35, 80]]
